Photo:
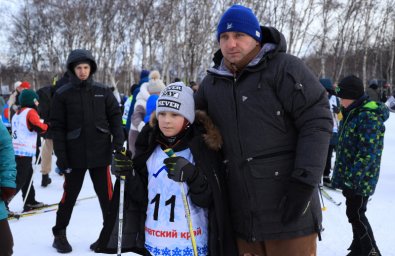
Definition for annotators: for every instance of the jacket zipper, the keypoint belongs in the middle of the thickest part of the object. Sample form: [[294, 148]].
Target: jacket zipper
[[216, 178]]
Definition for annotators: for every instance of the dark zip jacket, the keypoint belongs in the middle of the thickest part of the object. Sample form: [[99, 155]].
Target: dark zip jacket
[[276, 124], [85, 120]]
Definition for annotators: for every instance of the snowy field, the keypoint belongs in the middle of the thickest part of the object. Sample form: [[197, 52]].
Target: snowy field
[[33, 235]]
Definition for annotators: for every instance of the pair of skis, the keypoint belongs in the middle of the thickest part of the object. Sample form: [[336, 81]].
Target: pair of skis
[[324, 193], [43, 209]]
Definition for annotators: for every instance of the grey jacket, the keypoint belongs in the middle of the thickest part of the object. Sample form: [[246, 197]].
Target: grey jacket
[[276, 124]]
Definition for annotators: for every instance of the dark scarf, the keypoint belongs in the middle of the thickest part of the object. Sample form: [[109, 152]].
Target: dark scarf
[[236, 68]]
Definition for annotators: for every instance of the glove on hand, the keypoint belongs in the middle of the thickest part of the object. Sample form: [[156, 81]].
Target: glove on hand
[[62, 166], [62, 171], [180, 169], [296, 201], [122, 164], [7, 193], [335, 109]]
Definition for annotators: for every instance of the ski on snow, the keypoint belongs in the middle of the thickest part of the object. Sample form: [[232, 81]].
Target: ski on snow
[[43, 209], [328, 197]]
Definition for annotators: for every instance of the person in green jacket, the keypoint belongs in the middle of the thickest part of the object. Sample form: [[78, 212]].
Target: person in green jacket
[[358, 157]]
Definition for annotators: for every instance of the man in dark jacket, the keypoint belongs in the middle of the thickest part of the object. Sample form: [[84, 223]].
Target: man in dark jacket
[[276, 125], [86, 126]]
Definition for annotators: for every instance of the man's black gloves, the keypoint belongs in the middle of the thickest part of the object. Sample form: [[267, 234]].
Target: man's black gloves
[[122, 164], [296, 201], [62, 166], [180, 169]]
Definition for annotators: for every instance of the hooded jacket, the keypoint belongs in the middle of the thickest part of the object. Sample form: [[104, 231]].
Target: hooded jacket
[[204, 142], [276, 124], [85, 119], [360, 146]]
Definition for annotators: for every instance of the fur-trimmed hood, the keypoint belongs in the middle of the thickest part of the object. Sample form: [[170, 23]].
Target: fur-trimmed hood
[[211, 135]]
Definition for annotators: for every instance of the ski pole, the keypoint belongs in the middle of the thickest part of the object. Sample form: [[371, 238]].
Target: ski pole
[[322, 199], [171, 153], [120, 212], [31, 179]]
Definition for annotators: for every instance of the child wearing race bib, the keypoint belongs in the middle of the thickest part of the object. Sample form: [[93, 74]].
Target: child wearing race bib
[[181, 199], [25, 125]]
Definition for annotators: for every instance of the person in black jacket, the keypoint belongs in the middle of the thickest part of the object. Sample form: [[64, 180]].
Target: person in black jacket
[[44, 109], [154, 215], [86, 127], [275, 121]]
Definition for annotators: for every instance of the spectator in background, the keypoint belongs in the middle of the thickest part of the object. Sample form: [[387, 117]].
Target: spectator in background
[[143, 79], [334, 106], [194, 86], [358, 156], [126, 109], [154, 86], [2, 104], [373, 90], [13, 101], [7, 189]]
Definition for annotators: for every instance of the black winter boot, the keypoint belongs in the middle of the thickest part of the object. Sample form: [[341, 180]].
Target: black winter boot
[[60, 242], [94, 245], [46, 180], [369, 247], [355, 248], [33, 205]]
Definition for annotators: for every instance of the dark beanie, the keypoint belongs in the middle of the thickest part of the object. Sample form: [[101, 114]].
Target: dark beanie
[[27, 98], [350, 87], [327, 83], [239, 19]]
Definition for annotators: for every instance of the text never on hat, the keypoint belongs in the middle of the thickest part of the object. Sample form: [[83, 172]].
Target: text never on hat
[[239, 19], [177, 98]]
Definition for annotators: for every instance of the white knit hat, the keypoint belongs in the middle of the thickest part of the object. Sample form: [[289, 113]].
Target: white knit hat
[[155, 84], [177, 98]]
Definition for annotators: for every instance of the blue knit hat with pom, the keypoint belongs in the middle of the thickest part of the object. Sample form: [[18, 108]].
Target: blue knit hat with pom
[[239, 19]]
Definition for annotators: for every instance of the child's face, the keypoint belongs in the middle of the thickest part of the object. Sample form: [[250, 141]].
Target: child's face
[[170, 123]]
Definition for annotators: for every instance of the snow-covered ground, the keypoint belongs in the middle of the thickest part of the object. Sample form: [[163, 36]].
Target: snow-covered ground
[[33, 235]]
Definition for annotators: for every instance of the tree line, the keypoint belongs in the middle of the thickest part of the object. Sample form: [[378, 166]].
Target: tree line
[[334, 37]]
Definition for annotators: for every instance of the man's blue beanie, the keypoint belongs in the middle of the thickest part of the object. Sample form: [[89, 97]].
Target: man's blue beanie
[[239, 19]]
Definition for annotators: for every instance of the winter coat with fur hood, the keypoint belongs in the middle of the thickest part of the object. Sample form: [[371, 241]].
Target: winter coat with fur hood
[[276, 124], [85, 119], [204, 141]]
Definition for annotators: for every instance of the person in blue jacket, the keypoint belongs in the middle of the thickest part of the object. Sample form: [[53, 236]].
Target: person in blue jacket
[[7, 188]]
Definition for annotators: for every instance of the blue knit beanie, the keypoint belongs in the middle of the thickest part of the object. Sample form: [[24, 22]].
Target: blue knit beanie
[[239, 19], [144, 73], [327, 83]]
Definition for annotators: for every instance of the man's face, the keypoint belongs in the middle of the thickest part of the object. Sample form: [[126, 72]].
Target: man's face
[[236, 45], [82, 71]]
